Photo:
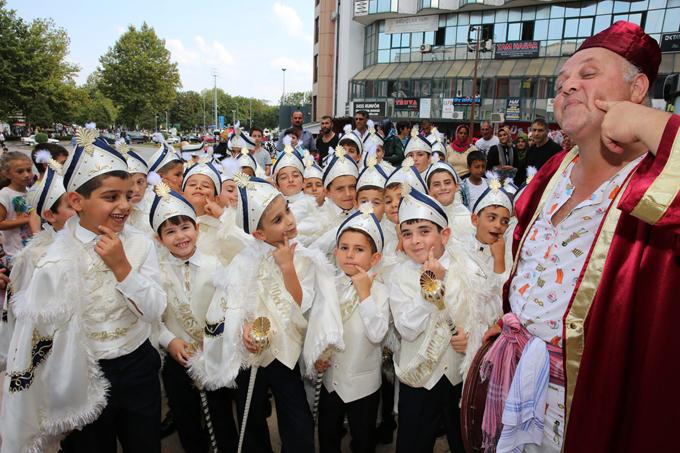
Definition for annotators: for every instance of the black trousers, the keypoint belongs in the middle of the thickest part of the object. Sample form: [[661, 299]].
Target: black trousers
[[361, 415], [185, 402], [133, 410], [387, 397], [422, 412], [294, 418]]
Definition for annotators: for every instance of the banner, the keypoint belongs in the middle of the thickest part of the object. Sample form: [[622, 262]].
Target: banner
[[407, 105], [517, 49], [425, 107], [413, 24], [670, 42], [448, 108], [467, 100], [513, 110], [376, 108]]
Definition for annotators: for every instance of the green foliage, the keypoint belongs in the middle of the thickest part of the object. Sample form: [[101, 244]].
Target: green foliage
[[263, 114], [298, 98], [137, 74], [41, 137], [33, 69]]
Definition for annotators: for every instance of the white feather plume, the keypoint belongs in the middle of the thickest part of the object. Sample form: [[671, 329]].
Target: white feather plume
[[43, 156], [230, 166], [347, 128], [531, 172], [91, 125], [153, 178]]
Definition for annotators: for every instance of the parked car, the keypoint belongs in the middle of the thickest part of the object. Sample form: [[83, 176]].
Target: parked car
[[137, 137], [172, 139], [30, 140], [191, 138], [110, 138]]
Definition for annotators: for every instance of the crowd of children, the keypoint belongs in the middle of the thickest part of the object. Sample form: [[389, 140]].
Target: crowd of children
[[338, 289]]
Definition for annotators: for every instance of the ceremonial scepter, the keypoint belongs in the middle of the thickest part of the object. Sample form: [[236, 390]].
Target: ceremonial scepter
[[205, 408], [319, 381], [260, 334]]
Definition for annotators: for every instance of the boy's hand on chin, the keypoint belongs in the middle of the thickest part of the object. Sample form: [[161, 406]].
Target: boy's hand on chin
[[110, 249], [284, 253], [498, 248]]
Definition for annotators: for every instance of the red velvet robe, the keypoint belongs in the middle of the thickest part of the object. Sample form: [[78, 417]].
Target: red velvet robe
[[624, 393]]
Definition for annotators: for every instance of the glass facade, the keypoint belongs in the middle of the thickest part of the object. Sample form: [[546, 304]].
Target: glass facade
[[446, 72]]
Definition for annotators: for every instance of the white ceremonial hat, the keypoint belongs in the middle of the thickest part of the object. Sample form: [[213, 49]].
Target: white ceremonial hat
[[339, 165], [366, 221], [166, 204], [437, 143], [438, 164], [229, 167], [407, 174], [415, 205], [245, 159], [494, 195], [206, 169], [136, 163], [373, 137], [312, 170], [255, 195], [350, 135], [239, 139], [44, 194], [92, 157], [289, 157], [163, 156], [417, 142], [372, 174]]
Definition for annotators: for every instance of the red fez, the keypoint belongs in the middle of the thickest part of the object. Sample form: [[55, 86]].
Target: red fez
[[632, 43]]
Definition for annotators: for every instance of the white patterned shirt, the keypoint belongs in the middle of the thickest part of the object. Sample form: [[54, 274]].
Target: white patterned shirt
[[552, 257]]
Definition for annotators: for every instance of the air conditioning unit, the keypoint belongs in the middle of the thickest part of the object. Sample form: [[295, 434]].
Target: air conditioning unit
[[425, 48], [457, 115], [497, 118]]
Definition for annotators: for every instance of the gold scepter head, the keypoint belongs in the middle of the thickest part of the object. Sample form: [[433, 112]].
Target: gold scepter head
[[261, 333]]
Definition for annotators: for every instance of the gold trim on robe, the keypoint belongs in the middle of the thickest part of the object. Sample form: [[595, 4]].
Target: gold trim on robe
[[662, 191]]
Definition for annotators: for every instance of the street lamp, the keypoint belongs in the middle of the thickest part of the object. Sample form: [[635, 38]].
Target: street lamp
[[233, 118], [214, 75], [283, 95]]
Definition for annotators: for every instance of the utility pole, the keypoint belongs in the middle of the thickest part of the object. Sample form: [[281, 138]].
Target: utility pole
[[167, 128], [233, 117], [214, 75], [283, 95], [250, 113], [476, 50], [203, 99]]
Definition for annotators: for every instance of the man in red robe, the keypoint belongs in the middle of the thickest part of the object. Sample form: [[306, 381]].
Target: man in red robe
[[597, 261]]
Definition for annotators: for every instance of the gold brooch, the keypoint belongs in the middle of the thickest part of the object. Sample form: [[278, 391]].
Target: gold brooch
[[432, 289], [260, 333]]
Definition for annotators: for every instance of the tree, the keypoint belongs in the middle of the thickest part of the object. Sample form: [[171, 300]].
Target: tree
[[187, 111], [137, 74], [298, 98], [33, 69]]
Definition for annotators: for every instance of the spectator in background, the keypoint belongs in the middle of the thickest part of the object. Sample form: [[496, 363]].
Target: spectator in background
[[487, 140], [395, 144], [260, 154], [327, 138], [458, 150], [2, 139], [425, 128], [361, 124], [502, 158], [305, 138], [543, 148]]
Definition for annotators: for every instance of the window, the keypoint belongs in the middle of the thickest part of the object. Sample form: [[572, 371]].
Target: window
[[440, 36], [316, 68], [672, 22], [570, 28], [654, 22], [514, 31], [585, 27], [528, 30], [555, 29], [540, 30], [316, 30], [602, 22], [605, 7]]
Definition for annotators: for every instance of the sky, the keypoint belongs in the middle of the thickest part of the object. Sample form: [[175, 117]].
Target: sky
[[247, 41]]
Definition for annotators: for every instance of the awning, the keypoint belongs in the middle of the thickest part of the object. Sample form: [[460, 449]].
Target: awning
[[486, 68]]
